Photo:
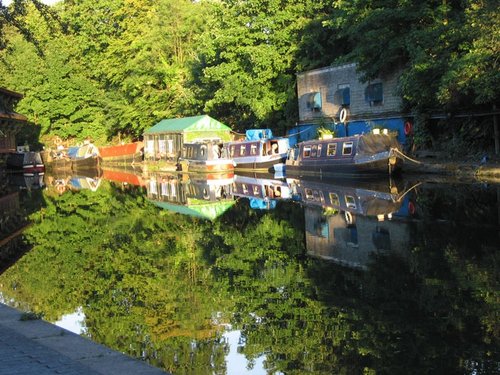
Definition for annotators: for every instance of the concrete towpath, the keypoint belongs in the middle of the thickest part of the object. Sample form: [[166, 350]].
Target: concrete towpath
[[38, 347]]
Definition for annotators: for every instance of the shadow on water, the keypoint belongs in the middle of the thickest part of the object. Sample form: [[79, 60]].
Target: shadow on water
[[310, 276]]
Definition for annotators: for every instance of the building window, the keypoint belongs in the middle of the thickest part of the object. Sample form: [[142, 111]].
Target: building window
[[374, 93], [332, 149], [347, 148], [342, 97], [313, 101]]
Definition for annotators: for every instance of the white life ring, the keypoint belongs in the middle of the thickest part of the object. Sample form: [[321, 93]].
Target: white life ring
[[343, 115], [57, 141]]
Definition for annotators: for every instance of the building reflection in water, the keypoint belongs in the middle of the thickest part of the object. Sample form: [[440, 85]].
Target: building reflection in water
[[202, 196], [19, 196], [346, 222]]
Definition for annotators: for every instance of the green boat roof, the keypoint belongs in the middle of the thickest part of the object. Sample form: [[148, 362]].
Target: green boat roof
[[208, 211], [187, 124]]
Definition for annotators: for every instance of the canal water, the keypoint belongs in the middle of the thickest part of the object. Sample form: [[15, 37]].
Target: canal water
[[253, 274]]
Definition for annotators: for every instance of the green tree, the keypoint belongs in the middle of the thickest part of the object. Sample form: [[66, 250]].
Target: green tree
[[247, 59]]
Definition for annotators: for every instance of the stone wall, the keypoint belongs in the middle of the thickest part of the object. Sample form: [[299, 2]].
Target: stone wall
[[329, 82]]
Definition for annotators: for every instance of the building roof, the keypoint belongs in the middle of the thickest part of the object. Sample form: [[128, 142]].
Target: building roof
[[187, 124], [209, 210]]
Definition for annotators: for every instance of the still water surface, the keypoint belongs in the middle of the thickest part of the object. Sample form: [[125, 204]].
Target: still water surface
[[256, 275]]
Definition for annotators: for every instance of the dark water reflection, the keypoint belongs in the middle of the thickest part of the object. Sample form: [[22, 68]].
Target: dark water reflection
[[251, 274]]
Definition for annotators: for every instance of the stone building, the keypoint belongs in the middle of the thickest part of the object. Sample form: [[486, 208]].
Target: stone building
[[9, 120], [336, 97]]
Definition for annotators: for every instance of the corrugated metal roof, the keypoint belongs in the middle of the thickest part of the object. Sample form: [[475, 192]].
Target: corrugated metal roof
[[186, 124]]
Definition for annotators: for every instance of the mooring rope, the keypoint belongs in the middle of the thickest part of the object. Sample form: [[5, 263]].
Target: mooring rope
[[406, 157]]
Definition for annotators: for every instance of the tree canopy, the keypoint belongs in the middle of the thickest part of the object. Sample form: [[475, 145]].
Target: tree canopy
[[116, 67]]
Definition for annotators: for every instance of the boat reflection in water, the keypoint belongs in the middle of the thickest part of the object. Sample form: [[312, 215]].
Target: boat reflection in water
[[65, 180], [347, 222], [205, 197], [262, 190], [28, 181]]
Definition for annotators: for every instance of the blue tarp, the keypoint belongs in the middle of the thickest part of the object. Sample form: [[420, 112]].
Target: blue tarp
[[305, 132], [261, 204], [256, 134], [72, 152]]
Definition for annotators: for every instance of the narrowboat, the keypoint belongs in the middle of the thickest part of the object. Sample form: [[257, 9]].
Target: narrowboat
[[377, 154], [368, 197], [124, 176], [259, 151], [27, 162], [204, 157], [262, 190], [129, 153], [84, 157]]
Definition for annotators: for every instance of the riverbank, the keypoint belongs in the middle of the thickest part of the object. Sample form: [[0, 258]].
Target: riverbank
[[468, 170], [33, 346]]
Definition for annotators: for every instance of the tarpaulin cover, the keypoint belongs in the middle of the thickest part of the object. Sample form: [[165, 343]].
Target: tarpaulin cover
[[370, 144], [256, 134], [260, 204]]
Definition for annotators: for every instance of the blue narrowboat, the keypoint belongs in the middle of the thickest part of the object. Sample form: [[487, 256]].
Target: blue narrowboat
[[374, 154]]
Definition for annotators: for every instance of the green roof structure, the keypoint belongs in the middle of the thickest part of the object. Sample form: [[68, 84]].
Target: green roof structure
[[188, 124], [209, 211]]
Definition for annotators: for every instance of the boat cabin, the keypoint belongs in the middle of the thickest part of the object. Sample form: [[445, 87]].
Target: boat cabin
[[254, 148], [203, 151], [165, 140]]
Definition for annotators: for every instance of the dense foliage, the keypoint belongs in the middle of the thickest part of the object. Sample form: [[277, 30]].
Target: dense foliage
[[115, 67]]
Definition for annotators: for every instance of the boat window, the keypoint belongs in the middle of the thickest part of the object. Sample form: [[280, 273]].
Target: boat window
[[164, 188], [350, 201], [274, 147], [347, 148], [319, 151], [317, 196], [309, 194], [307, 151], [243, 149], [256, 190], [314, 150], [245, 188], [334, 199], [253, 150], [231, 151], [202, 150], [332, 149]]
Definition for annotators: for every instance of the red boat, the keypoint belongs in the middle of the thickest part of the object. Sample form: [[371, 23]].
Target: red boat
[[122, 154]]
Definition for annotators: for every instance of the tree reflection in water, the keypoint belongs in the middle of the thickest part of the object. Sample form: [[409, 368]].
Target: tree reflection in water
[[165, 287]]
